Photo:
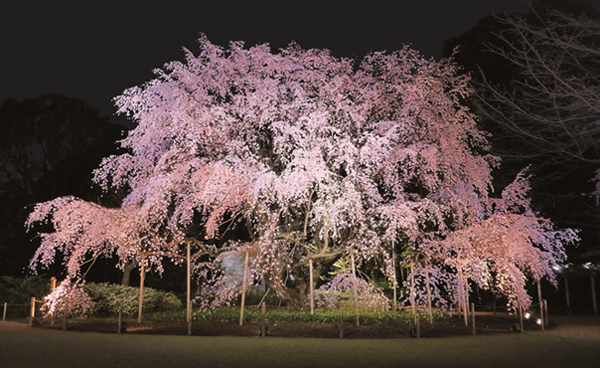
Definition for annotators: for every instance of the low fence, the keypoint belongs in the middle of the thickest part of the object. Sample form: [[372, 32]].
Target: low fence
[[33, 310]]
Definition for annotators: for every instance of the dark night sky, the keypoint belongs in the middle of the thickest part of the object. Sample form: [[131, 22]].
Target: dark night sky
[[96, 51]]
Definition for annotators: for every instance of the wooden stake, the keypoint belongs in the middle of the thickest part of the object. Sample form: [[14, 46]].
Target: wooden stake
[[120, 322], [4, 314], [312, 295], [32, 312], [467, 309], [189, 289], [463, 298], [65, 312], [412, 288], [52, 288], [567, 294], [474, 329], [546, 319], [395, 281], [594, 301], [521, 317], [263, 317], [355, 288], [142, 277], [418, 325], [244, 290], [539, 290]]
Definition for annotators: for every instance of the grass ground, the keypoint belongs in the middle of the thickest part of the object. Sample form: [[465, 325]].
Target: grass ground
[[572, 342]]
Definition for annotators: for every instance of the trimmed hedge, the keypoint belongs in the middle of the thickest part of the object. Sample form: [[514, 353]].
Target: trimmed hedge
[[367, 317], [107, 299]]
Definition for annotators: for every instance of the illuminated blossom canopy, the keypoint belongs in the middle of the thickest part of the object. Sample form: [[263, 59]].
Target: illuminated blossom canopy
[[313, 158]]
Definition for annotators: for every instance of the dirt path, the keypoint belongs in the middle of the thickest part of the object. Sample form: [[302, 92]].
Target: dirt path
[[574, 342]]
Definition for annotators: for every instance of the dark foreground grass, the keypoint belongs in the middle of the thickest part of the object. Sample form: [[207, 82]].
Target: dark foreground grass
[[572, 342]]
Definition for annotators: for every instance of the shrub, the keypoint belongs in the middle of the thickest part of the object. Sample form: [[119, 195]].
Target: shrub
[[341, 290], [108, 298], [20, 290]]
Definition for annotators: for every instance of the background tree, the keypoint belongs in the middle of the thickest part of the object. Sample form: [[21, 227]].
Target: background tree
[[537, 81], [48, 147]]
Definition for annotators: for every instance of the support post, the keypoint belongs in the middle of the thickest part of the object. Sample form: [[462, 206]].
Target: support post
[[142, 277], [546, 319], [263, 318], [412, 288], [312, 286], [418, 325], [521, 317], [594, 301], [539, 289], [189, 290], [567, 295], [474, 329], [32, 312], [355, 288], [52, 289], [467, 304], [120, 322], [395, 281], [4, 314], [244, 289], [65, 312]]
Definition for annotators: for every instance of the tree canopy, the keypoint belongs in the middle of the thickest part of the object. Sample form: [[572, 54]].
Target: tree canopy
[[313, 159]]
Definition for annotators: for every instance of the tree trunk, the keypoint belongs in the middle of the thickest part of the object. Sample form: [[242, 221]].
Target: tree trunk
[[129, 266]]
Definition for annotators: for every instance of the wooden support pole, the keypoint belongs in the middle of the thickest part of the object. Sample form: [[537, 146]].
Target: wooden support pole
[[567, 293], [463, 297], [263, 319], [594, 301], [65, 312], [189, 289], [521, 318], [244, 290], [355, 288], [142, 278], [395, 280], [4, 314], [412, 288], [52, 289], [312, 286], [540, 299], [32, 312], [418, 325], [546, 319], [474, 329], [120, 320], [467, 302]]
